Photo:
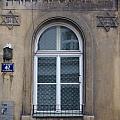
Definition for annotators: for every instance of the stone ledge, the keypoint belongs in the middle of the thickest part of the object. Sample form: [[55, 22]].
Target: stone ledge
[[85, 117], [26, 117]]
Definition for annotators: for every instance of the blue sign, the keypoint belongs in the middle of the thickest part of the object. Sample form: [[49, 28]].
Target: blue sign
[[7, 67]]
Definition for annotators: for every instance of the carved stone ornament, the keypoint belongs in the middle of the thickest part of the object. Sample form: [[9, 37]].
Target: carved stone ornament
[[72, 5], [10, 20], [107, 22]]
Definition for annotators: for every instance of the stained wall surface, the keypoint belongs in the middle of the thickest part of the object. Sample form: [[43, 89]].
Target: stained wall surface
[[102, 61]]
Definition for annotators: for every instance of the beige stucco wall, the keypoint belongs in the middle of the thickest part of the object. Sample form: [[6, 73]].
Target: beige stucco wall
[[102, 63]]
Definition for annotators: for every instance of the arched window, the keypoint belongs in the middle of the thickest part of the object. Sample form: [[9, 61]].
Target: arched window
[[58, 71]]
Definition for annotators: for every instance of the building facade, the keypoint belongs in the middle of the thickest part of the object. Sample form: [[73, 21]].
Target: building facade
[[60, 59]]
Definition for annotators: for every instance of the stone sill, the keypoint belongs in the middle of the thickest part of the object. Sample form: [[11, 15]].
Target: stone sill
[[85, 117]]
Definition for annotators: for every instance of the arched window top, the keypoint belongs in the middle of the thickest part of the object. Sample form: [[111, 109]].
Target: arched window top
[[58, 70], [59, 37]]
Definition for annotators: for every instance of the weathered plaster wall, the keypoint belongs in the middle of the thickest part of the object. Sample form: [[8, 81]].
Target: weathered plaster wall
[[117, 74], [13, 90], [102, 63]]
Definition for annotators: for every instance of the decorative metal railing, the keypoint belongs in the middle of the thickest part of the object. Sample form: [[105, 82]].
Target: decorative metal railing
[[54, 111], [66, 4]]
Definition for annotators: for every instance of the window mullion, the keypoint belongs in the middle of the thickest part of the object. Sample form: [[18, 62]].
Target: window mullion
[[58, 87], [58, 37]]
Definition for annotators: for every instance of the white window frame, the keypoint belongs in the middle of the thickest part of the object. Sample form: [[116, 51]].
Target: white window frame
[[58, 53]]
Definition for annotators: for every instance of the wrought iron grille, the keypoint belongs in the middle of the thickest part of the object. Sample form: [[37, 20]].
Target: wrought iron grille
[[52, 111]]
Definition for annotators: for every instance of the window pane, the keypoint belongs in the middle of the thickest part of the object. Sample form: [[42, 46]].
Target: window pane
[[70, 97], [47, 40], [46, 70], [46, 97], [70, 69], [69, 40]]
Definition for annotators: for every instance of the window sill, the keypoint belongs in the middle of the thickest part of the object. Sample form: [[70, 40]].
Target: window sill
[[40, 115], [50, 111], [29, 117]]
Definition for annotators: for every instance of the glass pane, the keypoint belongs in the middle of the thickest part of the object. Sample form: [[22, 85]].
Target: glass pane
[[46, 70], [69, 40], [47, 40], [70, 97], [70, 69], [46, 97]]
